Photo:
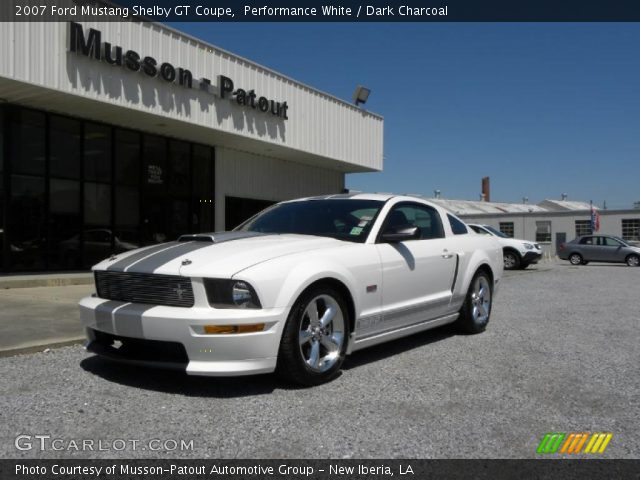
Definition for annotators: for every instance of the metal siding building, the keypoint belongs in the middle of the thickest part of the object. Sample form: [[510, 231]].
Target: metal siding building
[[81, 134], [548, 223]]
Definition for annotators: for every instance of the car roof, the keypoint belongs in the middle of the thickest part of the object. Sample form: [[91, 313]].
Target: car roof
[[383, 197]]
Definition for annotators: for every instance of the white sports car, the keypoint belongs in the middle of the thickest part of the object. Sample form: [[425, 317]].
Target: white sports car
[[294, 289]]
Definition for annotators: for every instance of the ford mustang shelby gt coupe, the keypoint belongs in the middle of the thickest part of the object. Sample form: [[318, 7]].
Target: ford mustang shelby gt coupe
[[294, 289]]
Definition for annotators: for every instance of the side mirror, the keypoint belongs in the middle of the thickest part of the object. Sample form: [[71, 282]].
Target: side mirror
[[395, 235]]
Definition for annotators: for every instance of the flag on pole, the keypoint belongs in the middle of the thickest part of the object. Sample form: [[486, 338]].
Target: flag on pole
[[595, 219]]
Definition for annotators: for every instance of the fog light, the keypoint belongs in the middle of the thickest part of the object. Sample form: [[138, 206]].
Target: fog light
[[230, 329]]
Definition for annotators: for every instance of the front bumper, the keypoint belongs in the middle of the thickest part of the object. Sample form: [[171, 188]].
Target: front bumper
[[532, 256], [217, 355]]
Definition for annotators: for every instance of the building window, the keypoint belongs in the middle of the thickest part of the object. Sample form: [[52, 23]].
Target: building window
[[97, 153], [543, 231], [583, 227], [507, 229], [79, 190], [631, 228]]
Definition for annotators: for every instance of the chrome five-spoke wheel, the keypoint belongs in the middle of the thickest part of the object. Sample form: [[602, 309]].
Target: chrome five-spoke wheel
[[476, 310], [481, 300], [314, 340], [321, 333]]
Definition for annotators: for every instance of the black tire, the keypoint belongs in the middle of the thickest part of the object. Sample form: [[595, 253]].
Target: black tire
[[633, 260], [292, 366], [576, 259], [524, 265], [469, 321], [511, 260]]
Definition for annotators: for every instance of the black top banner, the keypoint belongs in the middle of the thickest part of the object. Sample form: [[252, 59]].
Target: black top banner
[[324, 10]]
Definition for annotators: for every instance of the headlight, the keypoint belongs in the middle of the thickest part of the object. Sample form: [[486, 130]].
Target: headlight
[[230, 294], [528, 246]]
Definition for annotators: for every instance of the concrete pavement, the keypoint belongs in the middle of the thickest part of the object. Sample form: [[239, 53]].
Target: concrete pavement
[[35, 318]]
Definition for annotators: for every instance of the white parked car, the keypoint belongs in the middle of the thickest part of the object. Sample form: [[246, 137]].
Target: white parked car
[[518, 254], [294, 289]]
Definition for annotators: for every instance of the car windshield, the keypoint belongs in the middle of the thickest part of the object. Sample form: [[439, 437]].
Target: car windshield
[[344, 219], [497, 233]]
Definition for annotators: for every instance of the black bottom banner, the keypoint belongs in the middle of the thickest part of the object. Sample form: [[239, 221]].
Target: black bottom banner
[[295, 469]]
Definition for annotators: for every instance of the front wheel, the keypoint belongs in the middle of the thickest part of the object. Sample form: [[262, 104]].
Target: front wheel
[[633, 260], [511, 261], [476, 310], [313, 344]]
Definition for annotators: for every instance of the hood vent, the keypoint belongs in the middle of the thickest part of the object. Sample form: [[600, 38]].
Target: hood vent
[[219, 237], [197, 238]]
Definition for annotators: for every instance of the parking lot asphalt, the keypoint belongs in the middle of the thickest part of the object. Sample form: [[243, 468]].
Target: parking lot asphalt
[[559, 355]]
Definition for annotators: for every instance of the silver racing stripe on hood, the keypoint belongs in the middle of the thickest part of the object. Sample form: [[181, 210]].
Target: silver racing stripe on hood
[[152, 262], [150, 259], [121, 265]]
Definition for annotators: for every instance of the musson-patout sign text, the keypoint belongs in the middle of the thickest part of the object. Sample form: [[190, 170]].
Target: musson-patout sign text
[[92, 46]]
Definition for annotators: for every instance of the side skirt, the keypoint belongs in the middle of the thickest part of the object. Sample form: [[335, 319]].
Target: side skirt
[[375, 339]]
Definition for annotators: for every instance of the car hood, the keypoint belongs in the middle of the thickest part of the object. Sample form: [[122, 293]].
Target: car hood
[[218, 255], [515, 242]]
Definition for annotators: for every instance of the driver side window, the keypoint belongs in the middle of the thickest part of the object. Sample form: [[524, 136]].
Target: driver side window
[[424, 218]]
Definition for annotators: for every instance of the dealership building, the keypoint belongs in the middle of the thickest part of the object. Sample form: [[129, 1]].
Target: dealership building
[[121, 134]]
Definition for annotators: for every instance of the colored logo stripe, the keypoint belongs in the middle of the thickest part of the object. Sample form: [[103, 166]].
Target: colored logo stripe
[[598, 443], [574, 442], [550, 442]]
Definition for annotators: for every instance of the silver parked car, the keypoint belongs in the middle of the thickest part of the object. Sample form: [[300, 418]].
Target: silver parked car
[[599, 248]]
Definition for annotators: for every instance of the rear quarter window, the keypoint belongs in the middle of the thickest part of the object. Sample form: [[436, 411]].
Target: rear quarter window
[[457, 226]]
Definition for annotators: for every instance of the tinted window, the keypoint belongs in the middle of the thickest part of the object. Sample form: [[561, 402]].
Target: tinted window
[[97, 152], [457, 227], [28, 142], [497, 233], [479, 230], [64, 147], [425, 218], [586, 241], [349, 220]]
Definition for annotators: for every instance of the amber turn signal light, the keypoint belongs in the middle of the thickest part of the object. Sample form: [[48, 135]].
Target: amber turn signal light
[[230, 329]]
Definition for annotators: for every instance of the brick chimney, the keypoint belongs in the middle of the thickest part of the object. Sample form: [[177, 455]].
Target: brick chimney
[[486, 189]]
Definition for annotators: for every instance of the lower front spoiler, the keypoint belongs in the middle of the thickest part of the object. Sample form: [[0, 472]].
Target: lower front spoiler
[[170, 355], [531, 257]]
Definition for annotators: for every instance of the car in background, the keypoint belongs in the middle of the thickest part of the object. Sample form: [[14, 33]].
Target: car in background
[[294, 289], [97, 245], [517, 254], [599, 248]]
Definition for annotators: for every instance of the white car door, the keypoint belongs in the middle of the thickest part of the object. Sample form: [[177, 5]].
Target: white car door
[[417, 274]]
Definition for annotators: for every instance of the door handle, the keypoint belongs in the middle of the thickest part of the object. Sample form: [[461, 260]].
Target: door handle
[[446, 254]]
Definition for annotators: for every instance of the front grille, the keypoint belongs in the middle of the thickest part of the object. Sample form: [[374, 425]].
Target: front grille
[[170, 290]]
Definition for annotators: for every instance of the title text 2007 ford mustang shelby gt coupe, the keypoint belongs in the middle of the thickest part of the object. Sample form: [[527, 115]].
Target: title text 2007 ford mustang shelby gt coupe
[[294, 289]]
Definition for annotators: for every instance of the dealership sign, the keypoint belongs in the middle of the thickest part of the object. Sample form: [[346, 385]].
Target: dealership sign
[[92, 46]]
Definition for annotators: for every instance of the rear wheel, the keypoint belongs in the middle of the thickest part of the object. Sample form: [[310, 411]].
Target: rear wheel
[[633, 260], [313, 344], [476, 310], [511, 260], [575, 259]]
